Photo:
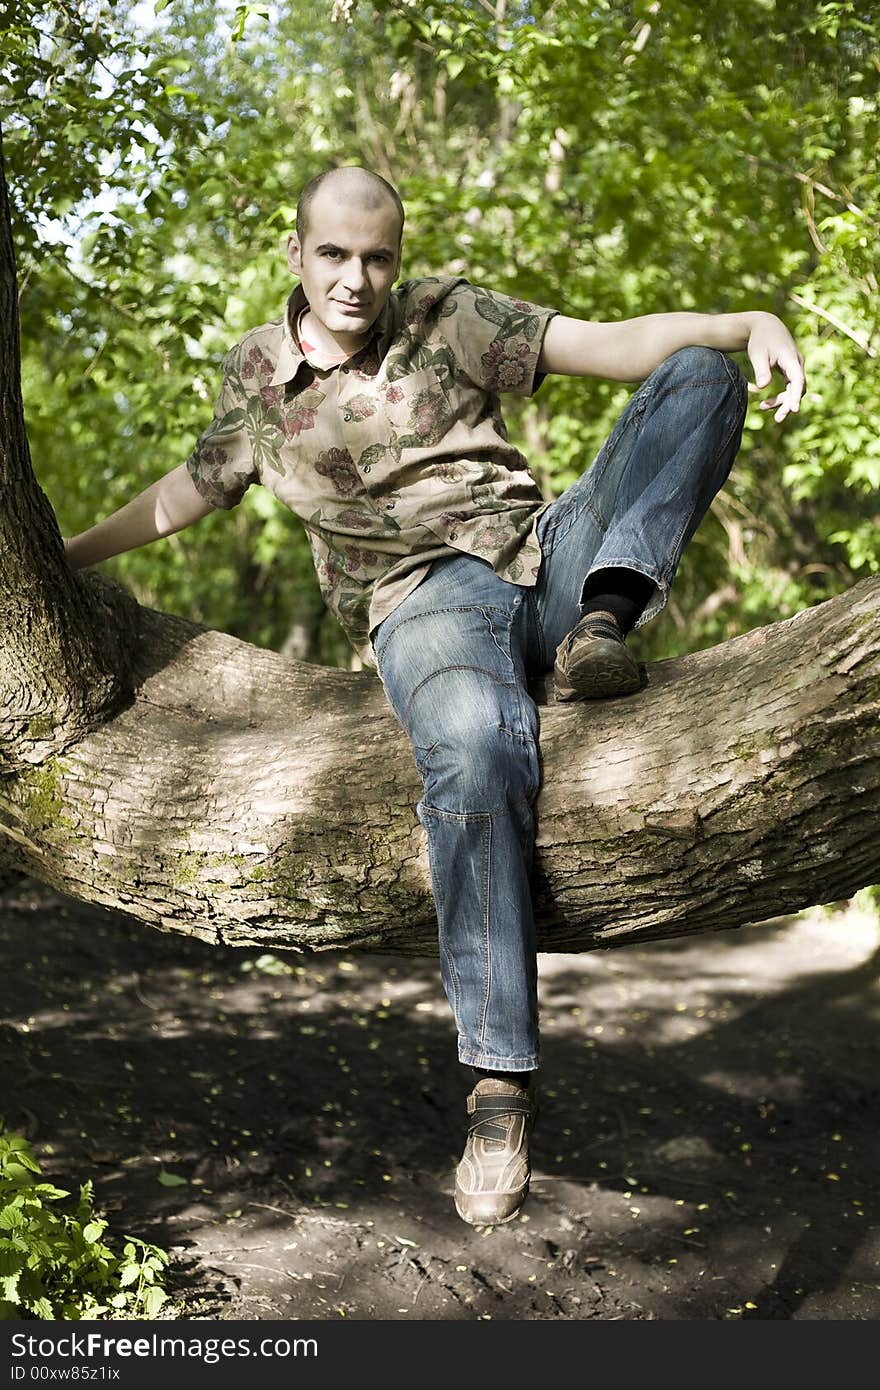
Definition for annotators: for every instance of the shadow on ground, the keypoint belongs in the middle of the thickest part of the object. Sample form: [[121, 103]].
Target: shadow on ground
[[708, 1146]]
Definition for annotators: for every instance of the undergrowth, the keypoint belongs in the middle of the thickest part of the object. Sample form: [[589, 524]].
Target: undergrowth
[[56, 1257]]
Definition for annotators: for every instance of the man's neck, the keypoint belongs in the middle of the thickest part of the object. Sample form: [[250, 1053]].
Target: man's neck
[[337, 345]]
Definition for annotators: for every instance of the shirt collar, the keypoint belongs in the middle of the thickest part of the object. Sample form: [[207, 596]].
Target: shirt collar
[[290, 357]]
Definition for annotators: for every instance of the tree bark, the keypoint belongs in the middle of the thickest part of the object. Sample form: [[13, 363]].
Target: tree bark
[[63, 660], [253, 801]]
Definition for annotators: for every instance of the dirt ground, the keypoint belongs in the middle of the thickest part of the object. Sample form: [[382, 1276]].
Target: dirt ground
[[708, 1144]]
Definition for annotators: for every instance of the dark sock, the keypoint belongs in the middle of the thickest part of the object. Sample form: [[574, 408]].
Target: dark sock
[[622, 593], [519, 1078]]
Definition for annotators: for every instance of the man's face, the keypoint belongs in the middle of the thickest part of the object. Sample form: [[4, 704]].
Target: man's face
[[348, 263]]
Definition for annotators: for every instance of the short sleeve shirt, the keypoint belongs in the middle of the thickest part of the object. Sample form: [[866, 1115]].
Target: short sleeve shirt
[[394, 459]]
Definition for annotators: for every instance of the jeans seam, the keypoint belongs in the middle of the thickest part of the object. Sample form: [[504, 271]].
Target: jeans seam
[[473, 1058], [514, 733], [736, 378], [436, 612], [465, 666], [465, 817], [624, 562], [487, 956], [440, 903]]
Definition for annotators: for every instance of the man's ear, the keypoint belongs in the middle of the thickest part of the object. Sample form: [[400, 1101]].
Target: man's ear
[[294, 255]]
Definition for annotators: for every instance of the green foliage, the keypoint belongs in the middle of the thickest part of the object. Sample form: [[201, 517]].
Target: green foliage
[[56, 1261], [612, 160]]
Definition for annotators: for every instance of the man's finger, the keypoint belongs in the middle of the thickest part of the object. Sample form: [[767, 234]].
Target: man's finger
[[794, 371], [760, 360]]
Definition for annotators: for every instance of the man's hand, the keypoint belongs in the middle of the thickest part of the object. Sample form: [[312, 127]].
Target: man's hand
[[771, 345]]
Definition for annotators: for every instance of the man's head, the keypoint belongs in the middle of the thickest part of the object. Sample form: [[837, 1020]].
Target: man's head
[[346, 250]]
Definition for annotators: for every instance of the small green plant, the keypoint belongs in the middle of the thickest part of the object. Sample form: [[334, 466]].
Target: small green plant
[[56, 1263]]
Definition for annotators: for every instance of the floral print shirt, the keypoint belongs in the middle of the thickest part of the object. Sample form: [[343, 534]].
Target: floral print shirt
[[394, 459]]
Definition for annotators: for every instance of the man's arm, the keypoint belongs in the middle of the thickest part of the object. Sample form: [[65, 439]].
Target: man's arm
[[166, 506], [631, 349]]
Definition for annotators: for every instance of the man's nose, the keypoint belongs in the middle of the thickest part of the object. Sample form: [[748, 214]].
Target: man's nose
[[354, 275]]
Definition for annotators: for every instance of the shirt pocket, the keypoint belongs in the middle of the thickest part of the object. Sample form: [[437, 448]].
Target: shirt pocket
[[421, 408]]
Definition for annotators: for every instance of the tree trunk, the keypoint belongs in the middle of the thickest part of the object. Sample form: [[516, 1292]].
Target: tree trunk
[[303, 639], [244, 799], [63, 651]]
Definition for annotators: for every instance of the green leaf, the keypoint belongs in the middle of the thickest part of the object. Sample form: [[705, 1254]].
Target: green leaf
[[171, 1179], [153, 1300], [26, 1159], [47, 1189], [11, 1261]]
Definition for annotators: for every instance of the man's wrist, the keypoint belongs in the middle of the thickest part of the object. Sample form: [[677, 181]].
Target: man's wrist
[[756, 318], [73, 548], [733, 331]]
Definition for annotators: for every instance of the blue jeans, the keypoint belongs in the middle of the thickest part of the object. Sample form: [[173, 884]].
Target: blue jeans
[[456, 655]]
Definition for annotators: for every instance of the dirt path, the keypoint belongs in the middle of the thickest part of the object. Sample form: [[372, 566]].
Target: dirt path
[[708, 1145]]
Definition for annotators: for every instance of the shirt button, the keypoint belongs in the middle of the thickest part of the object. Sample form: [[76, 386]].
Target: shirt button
[[389, 506], [367, 467], [453, 535], [347, 416]]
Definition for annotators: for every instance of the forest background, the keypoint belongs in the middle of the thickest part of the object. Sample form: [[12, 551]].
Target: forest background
[[608, 159]]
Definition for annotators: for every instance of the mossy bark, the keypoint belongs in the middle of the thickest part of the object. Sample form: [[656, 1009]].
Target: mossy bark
[[244, 798]]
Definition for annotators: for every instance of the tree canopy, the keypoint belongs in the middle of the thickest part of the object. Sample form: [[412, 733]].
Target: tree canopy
[[610, 159]]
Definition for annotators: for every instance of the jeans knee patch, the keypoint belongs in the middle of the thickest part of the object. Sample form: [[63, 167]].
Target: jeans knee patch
[[479, 772]]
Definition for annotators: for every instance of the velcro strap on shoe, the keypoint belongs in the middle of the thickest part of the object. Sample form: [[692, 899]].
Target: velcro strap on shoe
[[488, 1109], [597, 627], [488, 1129]]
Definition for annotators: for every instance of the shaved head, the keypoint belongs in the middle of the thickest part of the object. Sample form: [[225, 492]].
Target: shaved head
[[349, 185]]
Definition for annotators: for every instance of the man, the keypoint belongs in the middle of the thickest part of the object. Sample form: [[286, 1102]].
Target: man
[[373, 413]]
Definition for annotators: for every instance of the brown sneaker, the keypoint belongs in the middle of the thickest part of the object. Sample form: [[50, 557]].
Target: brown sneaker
[[492, 1179], [592, 661]]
